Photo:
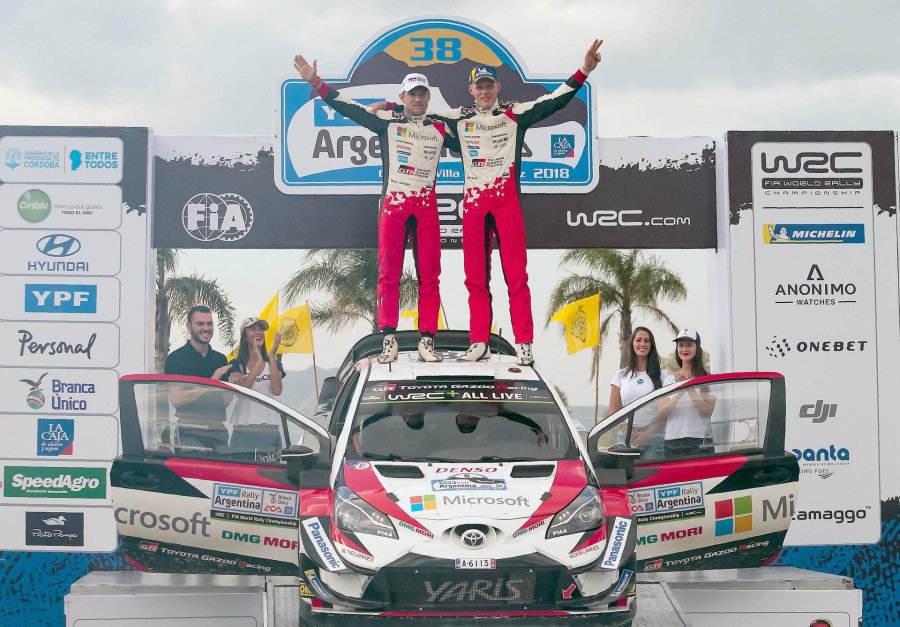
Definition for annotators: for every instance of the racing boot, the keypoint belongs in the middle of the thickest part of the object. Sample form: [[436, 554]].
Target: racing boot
[[524, 356], [388, 349], [476, 352], [426, 350]]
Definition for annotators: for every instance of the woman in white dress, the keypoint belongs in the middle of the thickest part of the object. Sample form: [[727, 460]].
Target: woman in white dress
[[256, 368], [640, 377]]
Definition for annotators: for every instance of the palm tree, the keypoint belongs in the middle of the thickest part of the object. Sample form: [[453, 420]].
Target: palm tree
[[175, 295], [349, 277], [628, 281]]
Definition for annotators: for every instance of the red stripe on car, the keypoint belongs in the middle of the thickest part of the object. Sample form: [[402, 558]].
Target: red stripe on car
[[365, 483], [569, 480], [692, 470], [596, 537], [615, 502], [224, 472], [315, 502]]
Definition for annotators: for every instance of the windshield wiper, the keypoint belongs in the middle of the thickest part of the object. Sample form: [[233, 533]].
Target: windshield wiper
[[497, 458], [390, 457]]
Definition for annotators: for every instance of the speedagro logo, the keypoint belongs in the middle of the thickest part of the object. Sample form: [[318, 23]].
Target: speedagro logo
[[54, 482]]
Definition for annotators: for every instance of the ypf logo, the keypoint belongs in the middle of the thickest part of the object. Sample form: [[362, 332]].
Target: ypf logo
[[209, 217]]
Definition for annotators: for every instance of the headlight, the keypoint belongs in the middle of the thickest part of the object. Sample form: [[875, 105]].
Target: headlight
[[351, 513], [583, 514]]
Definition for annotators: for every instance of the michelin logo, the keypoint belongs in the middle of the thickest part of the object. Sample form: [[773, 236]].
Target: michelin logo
[[323, 545], [612, 557]]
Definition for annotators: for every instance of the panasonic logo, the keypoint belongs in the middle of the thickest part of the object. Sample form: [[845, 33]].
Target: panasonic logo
[[616, 545], [322, 544]]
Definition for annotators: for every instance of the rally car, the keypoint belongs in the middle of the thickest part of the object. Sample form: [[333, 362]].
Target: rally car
[[423, 489]]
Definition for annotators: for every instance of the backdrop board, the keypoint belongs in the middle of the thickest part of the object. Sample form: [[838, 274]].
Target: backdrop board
[[74, 315], [813, 252], [218, 192]]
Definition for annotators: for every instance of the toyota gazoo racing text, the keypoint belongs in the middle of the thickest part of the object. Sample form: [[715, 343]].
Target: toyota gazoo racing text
[[460, 488]]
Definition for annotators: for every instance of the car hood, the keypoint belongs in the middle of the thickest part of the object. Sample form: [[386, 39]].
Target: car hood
[[443, 491]]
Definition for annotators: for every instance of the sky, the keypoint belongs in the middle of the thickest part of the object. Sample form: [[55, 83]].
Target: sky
[[669, 69]]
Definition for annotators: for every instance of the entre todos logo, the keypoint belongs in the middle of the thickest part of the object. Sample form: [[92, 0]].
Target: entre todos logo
[[34, 206], [209, 217]]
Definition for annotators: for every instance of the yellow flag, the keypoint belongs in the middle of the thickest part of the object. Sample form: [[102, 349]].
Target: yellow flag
[[582, 322], [296, 327], [414, 314], [270, 315]]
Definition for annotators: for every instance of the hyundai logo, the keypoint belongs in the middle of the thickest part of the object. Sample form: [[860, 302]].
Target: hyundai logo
[[473, 538], [58, 245]]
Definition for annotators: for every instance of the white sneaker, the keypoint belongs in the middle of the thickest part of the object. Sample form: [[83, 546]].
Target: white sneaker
[[426, 350], [389, 349], [524, 356], [476, 352]]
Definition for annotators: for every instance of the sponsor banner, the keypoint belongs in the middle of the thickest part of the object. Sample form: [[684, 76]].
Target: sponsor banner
[[163, 556], [54, 482], [498, 391], [58, 251], [253, 500], [322, 544], [60, 298], [655, 193], [83, 344], [38, 206], [61, 159], [321, 152], [668, 502], [806, 211], [61, 391], [77, 438], [56, 527], [616, 542]]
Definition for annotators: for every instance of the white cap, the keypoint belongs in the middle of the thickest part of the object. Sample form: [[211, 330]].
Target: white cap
[[410, 81], [688, 334], [249, 322]]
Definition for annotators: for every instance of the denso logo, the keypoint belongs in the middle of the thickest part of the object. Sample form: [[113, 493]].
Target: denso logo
[[455, 469], [811, 163]]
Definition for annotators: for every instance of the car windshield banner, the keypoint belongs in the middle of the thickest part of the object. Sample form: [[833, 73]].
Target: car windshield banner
[[456, 392]]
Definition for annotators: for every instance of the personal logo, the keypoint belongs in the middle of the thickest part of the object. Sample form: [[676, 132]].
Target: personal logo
[[34, 206], [54, 528], [580, 325], [734, 516], [12, 158], [424, 502], [814, 234], [562, 146], [779, 347], [35, 398], [53, 347], [55, 436], [58, 245], [54, 482], [815, 291], [209, 217], [60, 298], [819, 411]]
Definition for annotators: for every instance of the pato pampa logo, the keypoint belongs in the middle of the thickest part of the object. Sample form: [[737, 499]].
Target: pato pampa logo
[[580, 325], [35, 398]]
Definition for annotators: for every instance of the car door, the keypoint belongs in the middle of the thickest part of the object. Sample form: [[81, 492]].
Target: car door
[[201, 487], [722, 500]]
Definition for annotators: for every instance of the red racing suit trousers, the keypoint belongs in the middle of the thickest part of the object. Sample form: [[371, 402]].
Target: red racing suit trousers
[[416, 217], [494, 211]]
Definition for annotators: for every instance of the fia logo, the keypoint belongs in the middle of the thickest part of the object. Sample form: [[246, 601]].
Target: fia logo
[[819, 412], [209, 217]]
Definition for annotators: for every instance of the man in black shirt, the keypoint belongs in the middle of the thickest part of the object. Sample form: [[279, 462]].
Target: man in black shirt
[[200, 409]]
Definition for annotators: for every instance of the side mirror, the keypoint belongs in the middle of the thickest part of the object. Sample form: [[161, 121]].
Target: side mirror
[[624, 451], [298, 458]]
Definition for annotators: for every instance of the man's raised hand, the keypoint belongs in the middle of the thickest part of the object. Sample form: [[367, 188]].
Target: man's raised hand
[[592, 57], [307, 72]]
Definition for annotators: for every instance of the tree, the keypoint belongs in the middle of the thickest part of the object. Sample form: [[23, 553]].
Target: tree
[[629, 281], [349, 278], [175, 295]]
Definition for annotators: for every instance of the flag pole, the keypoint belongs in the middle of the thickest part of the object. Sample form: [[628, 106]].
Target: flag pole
[[312, 342], [597, 367]]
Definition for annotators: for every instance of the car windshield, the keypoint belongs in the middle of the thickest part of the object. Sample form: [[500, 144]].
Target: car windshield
[[458, 420]]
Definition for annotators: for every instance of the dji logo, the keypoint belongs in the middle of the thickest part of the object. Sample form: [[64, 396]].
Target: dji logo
[[819, 412]]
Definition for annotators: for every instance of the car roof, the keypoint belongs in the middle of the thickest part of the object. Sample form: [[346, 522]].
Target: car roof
[[408, 367]]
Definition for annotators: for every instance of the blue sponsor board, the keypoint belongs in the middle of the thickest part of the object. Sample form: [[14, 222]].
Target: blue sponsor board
[[60, 298], [814, 234], [55, 436]]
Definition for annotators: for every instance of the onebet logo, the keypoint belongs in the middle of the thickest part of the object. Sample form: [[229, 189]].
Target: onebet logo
[[60, 298], [734, 516]]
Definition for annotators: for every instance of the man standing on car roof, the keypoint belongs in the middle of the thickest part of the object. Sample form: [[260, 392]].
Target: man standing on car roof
[[410, 148], [491, 134]]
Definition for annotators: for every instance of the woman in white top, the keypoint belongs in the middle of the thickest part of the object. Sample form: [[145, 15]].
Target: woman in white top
[[686, 414], [256, 368], [640, 377]]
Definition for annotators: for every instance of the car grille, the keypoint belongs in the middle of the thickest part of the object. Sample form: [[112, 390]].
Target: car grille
[[422, 587]]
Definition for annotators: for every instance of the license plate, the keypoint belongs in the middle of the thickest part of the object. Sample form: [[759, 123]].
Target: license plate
[[476, 563]]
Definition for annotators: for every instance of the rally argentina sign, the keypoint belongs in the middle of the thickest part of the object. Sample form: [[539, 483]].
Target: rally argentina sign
[[318, 151]]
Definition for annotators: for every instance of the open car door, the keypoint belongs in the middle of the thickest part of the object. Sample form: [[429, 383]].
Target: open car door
[[709, 481], [203, 484]]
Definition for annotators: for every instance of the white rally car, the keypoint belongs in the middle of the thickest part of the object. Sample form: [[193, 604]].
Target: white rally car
[[430, 490]]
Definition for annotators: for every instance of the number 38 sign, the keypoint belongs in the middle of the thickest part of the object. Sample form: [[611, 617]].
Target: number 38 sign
[[318, 151]]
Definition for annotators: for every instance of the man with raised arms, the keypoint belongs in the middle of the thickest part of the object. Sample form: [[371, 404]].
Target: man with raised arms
[[411, 144], [492, 134]]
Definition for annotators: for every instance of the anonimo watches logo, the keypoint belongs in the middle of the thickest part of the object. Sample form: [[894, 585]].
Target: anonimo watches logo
[[209, 217]]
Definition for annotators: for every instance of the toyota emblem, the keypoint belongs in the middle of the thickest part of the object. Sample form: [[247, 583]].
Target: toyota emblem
[[473, 538]]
